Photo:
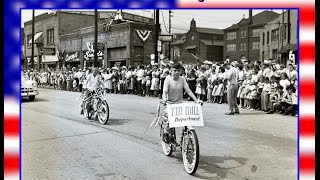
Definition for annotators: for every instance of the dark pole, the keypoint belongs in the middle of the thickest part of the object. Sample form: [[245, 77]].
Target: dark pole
[[169, 34], [32, 50], [289, 26], [95, 37], [156, 37]]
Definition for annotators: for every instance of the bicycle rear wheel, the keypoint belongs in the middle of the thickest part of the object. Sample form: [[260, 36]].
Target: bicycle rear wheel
[[166, 146], [190, 151]]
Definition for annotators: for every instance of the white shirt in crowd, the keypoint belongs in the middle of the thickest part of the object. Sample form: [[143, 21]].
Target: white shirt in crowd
[[140, 74], [232, 76]]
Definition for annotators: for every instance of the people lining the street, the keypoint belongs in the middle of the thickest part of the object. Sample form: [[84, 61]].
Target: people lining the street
[[239, 84]]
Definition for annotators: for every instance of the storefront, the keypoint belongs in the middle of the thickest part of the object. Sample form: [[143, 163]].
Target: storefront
[[72, 59], [49, 61], [88, 57]]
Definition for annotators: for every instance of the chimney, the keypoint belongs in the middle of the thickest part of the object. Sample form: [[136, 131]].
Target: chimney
[[250, 16]]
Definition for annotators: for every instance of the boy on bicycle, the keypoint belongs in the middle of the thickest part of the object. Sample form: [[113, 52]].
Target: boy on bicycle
[[173, 93]]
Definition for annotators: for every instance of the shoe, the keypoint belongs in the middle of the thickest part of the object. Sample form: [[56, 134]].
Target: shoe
[[229, 113], [237, 112], [252, 109], [286, 113], [269, 112]]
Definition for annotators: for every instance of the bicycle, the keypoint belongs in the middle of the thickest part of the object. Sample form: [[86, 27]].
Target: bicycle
[[189, 143], [95, 102]]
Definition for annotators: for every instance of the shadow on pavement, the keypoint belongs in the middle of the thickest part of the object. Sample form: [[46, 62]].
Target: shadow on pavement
[[217, 166], [117, 122]]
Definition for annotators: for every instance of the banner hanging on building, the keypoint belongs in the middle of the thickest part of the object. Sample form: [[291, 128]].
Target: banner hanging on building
[[143, 34]]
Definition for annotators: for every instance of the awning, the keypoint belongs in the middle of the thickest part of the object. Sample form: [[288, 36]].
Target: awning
[[191, 47], [287, 48], [35, 37]]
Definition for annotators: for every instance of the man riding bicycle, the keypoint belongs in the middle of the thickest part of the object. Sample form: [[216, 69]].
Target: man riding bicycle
[[93, 82], [173, 93]]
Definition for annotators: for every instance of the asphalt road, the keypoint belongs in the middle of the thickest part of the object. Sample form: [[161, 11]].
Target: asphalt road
[[59, 143]]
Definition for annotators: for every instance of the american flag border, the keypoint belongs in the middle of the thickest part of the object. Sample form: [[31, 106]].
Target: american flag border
[[306, 123]]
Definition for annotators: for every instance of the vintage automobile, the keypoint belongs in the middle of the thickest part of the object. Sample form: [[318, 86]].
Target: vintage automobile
[[29, 88]]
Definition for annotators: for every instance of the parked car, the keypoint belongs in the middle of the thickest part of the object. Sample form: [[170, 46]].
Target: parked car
[[29, 88]]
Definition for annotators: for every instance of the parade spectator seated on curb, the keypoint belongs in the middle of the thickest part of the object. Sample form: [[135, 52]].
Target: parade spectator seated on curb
[[289, 102]]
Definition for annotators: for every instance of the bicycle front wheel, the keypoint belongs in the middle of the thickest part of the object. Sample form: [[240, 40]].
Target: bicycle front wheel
[[103, 112], [190, 151]]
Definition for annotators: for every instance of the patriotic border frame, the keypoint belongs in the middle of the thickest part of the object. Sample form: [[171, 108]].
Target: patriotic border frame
[[12, 62]]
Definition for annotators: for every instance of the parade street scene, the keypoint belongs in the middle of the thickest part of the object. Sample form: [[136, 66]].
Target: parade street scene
[[159, 94]]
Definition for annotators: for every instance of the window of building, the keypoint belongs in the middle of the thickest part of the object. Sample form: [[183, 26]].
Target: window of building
[[243, 46], [255, 45], [263, 55], [274, 53], [275, 35], [255, 32], [29, 37], [231, 35], [231, 47], [50, 36], [268, 34], [263, 38], [243, 34]]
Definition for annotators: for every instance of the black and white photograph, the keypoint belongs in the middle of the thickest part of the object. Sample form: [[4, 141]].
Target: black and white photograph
[[159, 94]]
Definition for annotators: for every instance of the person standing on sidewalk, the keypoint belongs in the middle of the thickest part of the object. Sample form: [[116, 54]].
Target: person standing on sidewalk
[[232, 88]]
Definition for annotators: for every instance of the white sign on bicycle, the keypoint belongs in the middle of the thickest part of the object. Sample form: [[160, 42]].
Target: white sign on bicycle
[[185, 114]]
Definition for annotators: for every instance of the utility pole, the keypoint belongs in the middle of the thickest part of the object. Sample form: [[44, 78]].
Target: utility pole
[[156, 56], [170, 34], [32, 46], [95, 64], [289, 27]]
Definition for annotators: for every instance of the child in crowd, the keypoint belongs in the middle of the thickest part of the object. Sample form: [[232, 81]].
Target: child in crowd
[[220, 91], [252, 95], [148, 85], [155, 84], [265, 95], [275, 99], [209, 89], [200, 89], [214, 91]]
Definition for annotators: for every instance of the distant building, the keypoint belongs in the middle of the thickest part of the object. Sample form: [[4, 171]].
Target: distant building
[[205, 43], [48, 27], [277, 39], [66, 38], [242, 40], [178, 44], [124, 43]]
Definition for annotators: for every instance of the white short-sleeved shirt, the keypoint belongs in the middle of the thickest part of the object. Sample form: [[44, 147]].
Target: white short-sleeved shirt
[[175, 88]]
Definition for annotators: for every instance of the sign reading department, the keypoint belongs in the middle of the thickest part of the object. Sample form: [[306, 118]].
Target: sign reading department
[[185, 114]]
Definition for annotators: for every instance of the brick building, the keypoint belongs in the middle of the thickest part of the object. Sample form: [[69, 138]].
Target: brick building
[[205, 43], [48, 27], [178, 45], [278, 38], [242, 40], [126, 43]]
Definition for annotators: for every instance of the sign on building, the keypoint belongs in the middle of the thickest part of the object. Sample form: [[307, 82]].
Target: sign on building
[[166, 38], [49, 58], [185, 114], [47, 51], [74, 56]]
